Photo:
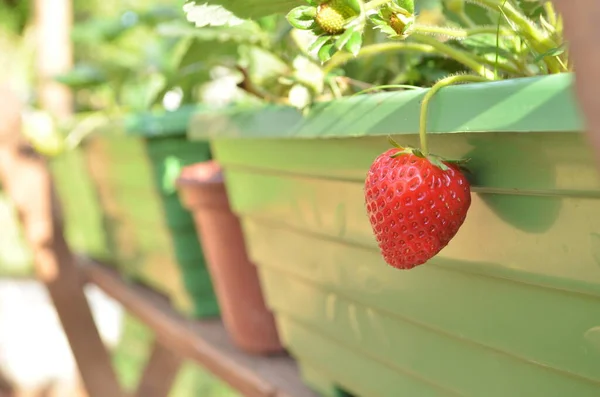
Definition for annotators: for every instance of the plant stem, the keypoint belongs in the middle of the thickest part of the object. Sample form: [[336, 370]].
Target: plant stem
[[341, 58], [446, 81], [458, 33], [371, 5], [537, 40], [510, 68], [461, 56]]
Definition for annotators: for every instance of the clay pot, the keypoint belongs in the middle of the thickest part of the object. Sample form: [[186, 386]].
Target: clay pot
[[247, 319]]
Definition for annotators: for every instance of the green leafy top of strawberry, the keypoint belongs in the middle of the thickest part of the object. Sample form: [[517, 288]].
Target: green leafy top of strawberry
[[394, 20], [336, 23], [333, 15], [434, 159]]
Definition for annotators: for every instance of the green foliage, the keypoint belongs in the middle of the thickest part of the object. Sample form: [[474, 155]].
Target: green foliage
[[252, 9], [14, 15], [297, 52]]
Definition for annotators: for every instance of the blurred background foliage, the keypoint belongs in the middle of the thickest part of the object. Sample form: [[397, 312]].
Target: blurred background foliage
[[113, 44]]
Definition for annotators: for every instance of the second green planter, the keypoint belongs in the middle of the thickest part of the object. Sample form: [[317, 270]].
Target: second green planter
[[152, 236]]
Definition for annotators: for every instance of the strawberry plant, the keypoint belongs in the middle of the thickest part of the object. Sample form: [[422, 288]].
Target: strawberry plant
[[416, 200]]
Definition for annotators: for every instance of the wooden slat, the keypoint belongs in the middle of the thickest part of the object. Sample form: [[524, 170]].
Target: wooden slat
[[25, 178], [160, 372], [204, 342]]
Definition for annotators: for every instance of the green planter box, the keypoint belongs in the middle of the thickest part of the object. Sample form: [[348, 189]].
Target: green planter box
[[82, 212], [151, 235], [510, 308]]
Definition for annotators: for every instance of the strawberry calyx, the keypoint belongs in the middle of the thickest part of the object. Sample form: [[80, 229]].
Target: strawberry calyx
[[434, 159]]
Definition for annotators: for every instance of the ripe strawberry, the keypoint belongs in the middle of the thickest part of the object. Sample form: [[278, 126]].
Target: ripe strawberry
[[416, 204]]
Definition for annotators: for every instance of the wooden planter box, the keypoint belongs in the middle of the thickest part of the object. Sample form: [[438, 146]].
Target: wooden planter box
[[148, 234], [510, 307]]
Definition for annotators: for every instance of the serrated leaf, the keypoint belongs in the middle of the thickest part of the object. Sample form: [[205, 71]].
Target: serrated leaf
[[210, 15], [355, 43], [248, 32], [257, 8], [325, 52], [318, 43]]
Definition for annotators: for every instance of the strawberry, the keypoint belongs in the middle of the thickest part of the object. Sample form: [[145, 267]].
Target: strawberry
[[415, 203], [332, 15]]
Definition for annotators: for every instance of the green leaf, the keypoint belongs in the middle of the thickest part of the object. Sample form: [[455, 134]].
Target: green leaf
[[343, 39], [210, 15], [553, 52], [248, 32], [355, 43], [82, 76], [318, 43], [355, 5], [302, 17], [325, 52], [257, 8], [408, 5], [98, 30]]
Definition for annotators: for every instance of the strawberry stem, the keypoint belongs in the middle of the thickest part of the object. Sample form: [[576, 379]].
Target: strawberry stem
[[458, 55], [446, 81], [340, 58], [459, 33]]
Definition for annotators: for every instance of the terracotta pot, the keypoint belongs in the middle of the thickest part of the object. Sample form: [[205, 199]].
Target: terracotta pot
[[247, 319]]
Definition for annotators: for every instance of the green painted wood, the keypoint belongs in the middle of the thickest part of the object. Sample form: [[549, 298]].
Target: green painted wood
[[409, 347], [154, 238], [532, 163], [520, 237], [352, 371], [542, 104], [510, 307]]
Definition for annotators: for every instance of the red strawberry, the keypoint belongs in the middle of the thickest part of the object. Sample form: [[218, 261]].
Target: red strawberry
[[416, 204]]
